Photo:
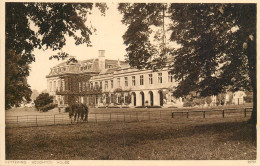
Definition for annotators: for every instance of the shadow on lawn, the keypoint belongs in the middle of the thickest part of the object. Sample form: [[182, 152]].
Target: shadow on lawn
[[112, 141], [228, 131]]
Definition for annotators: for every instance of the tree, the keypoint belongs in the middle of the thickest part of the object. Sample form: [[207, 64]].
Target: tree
[[16, 87], [140, 17], [42, 100], [218, 45], [32, 26]]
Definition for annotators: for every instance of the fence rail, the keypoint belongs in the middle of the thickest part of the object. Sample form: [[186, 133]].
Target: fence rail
[[63, 118]]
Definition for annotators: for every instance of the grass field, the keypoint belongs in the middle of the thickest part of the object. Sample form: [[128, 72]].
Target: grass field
[[33, 111], [170, 139], [20, 118]]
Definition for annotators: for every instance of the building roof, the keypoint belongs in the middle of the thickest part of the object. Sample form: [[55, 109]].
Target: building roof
[[110, 66], [88, 60], [60, 64], [108, 71]]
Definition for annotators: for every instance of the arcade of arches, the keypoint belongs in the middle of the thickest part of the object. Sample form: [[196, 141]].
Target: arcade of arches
[[152, 98], [137, 98]]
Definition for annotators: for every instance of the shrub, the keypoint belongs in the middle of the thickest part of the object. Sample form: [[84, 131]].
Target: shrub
[[221, 99], [140, 107], [249, 97], [48, 107], [187, 104], [208, 100], [154, 106], [196, 101], [43, 100], [148, 106], [172, 107], [113, 107]]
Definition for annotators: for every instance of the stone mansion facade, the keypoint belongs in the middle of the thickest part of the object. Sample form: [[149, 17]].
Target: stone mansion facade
[[102, 82]]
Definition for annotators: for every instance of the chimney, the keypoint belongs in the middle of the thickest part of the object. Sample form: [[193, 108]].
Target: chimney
[[101, 59], [118, 62]]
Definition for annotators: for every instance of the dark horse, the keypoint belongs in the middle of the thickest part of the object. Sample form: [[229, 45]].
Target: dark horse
[[78, 111]]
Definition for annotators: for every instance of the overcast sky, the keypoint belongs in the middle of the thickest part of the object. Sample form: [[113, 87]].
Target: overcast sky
[[108, 37]]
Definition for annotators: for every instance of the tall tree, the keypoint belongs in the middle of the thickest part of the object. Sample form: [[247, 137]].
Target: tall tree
[[218, 48], [32, 26], [140, 18], [218, 45]]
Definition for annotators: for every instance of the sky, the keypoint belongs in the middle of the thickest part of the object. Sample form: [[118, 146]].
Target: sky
[[108, 37]]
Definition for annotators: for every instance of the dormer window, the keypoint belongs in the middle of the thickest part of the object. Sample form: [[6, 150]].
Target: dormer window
[[91, 85]]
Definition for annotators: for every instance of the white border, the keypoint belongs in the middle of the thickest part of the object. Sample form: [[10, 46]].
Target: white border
[[114, 162]]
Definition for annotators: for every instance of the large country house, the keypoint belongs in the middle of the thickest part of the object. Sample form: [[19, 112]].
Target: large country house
[[102, 82]]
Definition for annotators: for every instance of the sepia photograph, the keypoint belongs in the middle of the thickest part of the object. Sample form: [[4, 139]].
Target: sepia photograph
[[132, 81]]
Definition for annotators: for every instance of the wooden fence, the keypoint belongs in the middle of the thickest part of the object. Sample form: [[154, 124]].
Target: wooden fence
[[63, 118]]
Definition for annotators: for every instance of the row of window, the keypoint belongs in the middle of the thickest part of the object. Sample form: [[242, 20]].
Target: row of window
[[141, 82], [59, 85], [86, 67], [109, 99], [160, 80], [60, 69], [56, 85]]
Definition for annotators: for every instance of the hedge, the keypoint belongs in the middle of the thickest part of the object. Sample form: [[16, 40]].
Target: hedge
[[48, 107]]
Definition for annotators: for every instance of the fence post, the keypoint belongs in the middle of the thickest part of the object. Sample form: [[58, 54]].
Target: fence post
[[245, 112], [17, 121], [204, 114], [160, 114], [223, 113], [130, 116], [136, 116], [172, 114], [187, 114], [110, 116], [124, 116], [149, 115], [96, 117], [54, 119], [36, 121]]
